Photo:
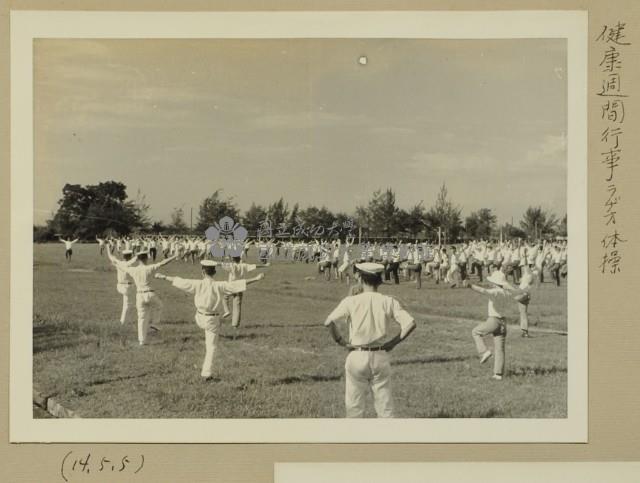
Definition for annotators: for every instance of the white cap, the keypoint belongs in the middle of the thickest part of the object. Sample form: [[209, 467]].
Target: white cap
[[208, 263], [371, 268], [145, 252], [127, 252]]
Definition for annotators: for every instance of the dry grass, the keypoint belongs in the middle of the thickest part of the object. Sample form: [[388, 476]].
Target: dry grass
[[284, 364]]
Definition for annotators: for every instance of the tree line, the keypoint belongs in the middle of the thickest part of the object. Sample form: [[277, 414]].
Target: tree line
[[105, 209]]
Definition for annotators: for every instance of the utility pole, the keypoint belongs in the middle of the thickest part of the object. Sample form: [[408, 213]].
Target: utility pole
[[191, 221]]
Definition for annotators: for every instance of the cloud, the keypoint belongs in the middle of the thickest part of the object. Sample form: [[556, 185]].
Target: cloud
[[263, 150], [448, 162], [393, 130], [307, 120], [551, 151]]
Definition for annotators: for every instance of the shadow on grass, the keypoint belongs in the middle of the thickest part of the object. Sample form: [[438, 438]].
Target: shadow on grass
[[283, 326], [536, 371], [99, 382], [249, 336], [175, 322], [429, 360], [445, 413], [53, 345], [306, 378], [52, 336]]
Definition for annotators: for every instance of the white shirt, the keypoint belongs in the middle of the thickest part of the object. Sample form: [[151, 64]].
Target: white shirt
[[497, 296], [120, 265], [141, 275], [526, 281], [368, 315], [238, 271], [207, 292], [68, 244]]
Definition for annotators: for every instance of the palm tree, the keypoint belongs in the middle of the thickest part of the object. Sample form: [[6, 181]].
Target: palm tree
[[538, 223]]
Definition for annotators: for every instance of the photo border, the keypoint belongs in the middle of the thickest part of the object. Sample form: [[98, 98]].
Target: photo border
[[28, 25]]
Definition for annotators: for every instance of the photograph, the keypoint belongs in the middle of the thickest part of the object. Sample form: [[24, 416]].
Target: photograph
[[301, 228]]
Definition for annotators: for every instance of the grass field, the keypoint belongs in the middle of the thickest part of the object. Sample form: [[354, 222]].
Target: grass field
[[284, 364]]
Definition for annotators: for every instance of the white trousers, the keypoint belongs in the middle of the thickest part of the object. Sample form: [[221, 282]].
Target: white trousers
[[364, 371], [149, 309], [210, 324], [128, 293]]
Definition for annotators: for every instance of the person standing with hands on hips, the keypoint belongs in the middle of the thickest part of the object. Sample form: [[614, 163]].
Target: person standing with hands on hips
[[368, 365]]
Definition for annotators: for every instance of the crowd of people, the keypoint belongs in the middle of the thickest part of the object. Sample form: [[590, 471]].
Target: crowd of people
[[511, 269], [449, 264]]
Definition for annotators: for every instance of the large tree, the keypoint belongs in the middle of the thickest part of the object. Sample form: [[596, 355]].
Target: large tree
[[95, 210], [562, 227], [508, 231], [178, 225], [414, 221], [444, 215], [363, 221], [318, 220], [381, 214], [293, 215], [278, 213], [538, 223], [253, 218], [480, 224], [214, 208]]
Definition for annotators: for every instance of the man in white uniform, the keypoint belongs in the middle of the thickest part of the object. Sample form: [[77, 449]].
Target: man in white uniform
[[68, 245], [238, 270], [208, 294], [125, 286], [526, 282], [148, 304], [101, 244], [368, 364]]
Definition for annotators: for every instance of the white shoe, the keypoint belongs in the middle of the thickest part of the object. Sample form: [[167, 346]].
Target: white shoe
[[485, 357], [497, 377]]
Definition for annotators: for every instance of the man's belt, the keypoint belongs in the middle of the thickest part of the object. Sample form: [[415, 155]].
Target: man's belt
[[146, 291], [125, 283], [213, 314], [367, 349]]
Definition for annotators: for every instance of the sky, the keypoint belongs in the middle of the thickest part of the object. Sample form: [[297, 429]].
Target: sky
[[305, 120]]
